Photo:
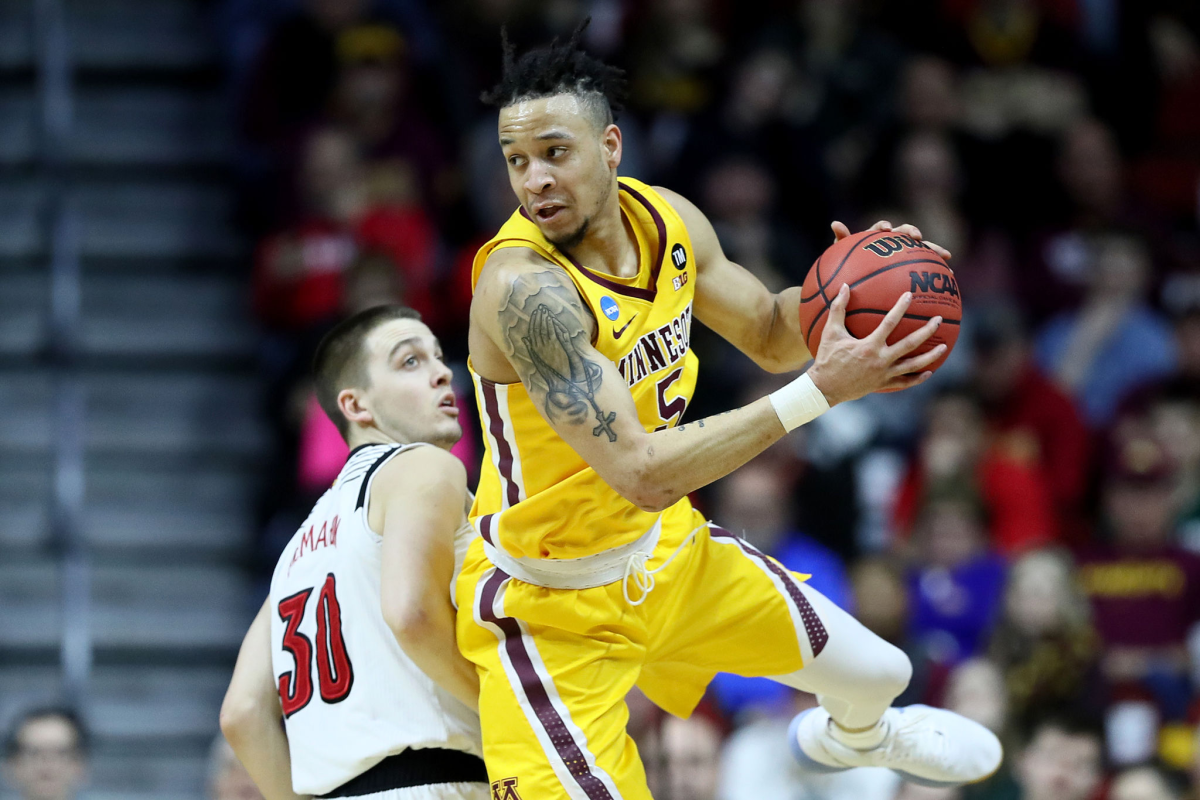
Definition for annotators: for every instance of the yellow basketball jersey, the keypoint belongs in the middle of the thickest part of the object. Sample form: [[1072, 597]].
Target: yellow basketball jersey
[[537, 498]]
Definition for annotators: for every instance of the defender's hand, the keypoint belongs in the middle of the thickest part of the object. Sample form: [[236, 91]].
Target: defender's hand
[[847, 368], [840, 231]]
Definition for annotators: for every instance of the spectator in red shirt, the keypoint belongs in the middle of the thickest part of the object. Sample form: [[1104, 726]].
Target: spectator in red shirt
[[1144, 588], [296, 70], [1029, 417], [956, 447], [348, 206], [298, 272]]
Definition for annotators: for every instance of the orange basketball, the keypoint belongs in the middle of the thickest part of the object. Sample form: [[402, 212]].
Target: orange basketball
[[880, 266]]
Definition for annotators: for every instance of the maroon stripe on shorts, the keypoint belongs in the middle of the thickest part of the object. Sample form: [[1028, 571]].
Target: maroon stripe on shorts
[[491, 402], [818, 637], [485, 528], [535, 691]]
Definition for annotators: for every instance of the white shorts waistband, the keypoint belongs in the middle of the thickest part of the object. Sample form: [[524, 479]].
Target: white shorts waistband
[[585, 572]]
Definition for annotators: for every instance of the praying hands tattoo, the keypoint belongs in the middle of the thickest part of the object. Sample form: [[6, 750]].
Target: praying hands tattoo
[[545, 327]]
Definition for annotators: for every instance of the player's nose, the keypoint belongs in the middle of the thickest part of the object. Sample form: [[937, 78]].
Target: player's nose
[[441, 374], [539, 179]]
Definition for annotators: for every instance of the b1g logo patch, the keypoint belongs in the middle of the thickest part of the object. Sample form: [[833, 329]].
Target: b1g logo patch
[[505, 789], [679, 256], [610, 308]]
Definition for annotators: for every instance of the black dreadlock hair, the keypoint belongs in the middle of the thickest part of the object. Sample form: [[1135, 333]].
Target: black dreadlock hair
[[559, 68]]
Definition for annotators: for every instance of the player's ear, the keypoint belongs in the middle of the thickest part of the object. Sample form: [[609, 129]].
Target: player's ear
[[350, 403], [611, 144]]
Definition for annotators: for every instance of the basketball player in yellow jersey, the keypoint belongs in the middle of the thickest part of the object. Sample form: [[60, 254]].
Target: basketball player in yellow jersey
[[593, 573]]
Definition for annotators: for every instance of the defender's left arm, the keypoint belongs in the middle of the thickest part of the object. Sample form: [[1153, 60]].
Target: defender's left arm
[[417, 502], [734, 303], [251, 717]]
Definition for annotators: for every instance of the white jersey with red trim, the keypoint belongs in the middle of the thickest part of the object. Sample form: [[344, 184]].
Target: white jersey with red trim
[[350, 695]]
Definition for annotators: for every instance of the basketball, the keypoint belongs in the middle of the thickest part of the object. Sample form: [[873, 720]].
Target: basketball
[[880, 266]]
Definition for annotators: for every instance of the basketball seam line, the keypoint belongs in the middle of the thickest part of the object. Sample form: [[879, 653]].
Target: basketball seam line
[[822, 285], [888, 268], [820, 289], [881, 312]]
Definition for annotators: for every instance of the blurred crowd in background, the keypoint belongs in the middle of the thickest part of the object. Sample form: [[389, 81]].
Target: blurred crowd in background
[[1026, 526], [46, 758]]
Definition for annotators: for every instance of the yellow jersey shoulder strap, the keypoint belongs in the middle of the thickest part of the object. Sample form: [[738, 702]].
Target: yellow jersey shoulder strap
[[651, 213], [518, 231]]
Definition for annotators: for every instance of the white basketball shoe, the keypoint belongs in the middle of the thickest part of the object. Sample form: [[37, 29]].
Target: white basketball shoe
[[925, 745]]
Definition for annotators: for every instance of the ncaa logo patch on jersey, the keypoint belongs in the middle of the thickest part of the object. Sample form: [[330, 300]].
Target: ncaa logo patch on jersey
[[679, 256], [609, 307]]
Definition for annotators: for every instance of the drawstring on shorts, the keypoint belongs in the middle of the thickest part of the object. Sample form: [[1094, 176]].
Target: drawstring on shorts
[[643, 579]]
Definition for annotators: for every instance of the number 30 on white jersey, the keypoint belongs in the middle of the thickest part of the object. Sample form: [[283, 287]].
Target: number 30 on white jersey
[[350, 695]]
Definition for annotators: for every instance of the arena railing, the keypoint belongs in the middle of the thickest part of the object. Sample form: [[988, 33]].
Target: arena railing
[[62, 223]]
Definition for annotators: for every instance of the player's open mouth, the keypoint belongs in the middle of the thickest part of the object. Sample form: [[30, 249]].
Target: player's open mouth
[[447, 406], [547, 213]]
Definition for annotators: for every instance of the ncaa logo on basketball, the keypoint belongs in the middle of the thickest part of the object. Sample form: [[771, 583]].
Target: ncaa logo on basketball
[[935, 282], [679, 256], [609, 307]]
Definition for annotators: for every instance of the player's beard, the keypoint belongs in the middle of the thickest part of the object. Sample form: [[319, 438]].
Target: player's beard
[[571, 241]]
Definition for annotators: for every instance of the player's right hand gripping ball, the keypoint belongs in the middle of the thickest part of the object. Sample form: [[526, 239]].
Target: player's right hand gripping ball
[[880, 266]]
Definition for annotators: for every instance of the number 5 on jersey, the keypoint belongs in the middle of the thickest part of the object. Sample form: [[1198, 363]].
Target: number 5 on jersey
[[671, 413], [335, 674]]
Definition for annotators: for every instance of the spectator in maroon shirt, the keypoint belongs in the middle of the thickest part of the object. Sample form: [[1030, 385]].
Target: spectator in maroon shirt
[[374, 99], [295, 73], [1172, 408], [1144, 588], [1029, 416], [1090, 173]]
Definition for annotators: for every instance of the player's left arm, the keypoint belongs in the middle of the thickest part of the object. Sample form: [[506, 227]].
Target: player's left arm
[[251, 716], [417, 501], [733, 302]]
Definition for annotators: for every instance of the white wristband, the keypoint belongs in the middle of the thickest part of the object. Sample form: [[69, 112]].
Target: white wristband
[[798, 402]]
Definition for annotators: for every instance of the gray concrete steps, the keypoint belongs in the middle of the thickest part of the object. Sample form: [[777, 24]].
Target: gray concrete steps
[[150, 126], [124, 127], [18, 120], [173, 433], [138, 34], [165, 219], [175, 218], [24, 309], [21, 208], [132, 607], [16, 33], [132, 413]]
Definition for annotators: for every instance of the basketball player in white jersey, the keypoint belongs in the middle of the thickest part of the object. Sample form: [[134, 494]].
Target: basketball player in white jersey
[[354, 649]]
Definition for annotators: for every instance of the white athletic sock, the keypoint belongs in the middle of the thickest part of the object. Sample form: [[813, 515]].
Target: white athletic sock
[[859, 740]]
